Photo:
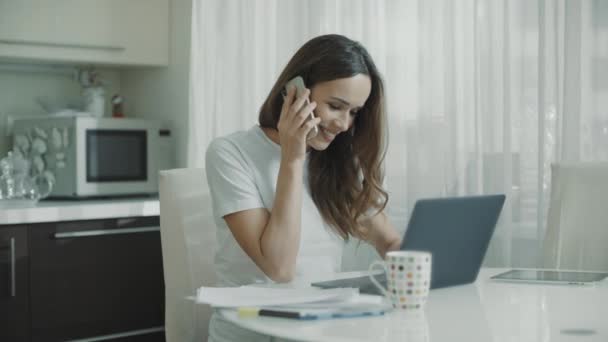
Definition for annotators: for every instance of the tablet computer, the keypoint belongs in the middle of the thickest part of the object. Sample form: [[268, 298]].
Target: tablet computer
[[551, 276]]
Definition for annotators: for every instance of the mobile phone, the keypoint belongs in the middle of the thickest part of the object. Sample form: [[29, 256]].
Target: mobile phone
[[298, 82]]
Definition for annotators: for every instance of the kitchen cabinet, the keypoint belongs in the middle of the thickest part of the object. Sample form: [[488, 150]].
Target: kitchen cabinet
[[14, 284], [106, 32], [98, 279]]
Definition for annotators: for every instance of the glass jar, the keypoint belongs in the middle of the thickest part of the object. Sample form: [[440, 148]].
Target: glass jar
[[18, 187]]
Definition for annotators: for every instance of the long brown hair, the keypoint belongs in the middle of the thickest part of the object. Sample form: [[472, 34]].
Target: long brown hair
[[345, 179]]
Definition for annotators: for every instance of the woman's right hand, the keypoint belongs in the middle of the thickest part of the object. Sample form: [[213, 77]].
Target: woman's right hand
[[294, 125]]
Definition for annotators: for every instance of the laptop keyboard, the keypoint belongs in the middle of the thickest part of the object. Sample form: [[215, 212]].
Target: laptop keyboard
[[364, 284]]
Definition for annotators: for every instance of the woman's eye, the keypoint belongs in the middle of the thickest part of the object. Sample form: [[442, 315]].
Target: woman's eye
[[333, 106]]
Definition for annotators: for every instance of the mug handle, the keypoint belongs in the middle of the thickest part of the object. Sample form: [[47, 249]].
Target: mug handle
[[373, 279]]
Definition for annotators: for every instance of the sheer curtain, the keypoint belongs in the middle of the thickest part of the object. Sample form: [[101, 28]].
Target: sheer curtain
[[482, 94]]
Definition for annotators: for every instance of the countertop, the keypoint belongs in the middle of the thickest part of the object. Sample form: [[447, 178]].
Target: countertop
[[71, 210]]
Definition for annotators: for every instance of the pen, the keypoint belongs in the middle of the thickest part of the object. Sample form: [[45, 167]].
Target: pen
[[249, 312]]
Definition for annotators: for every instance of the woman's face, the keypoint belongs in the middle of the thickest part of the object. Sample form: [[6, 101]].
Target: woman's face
[[338, 102]]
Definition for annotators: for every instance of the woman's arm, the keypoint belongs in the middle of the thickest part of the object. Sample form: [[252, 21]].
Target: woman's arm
[[272, 239], [381, 234]]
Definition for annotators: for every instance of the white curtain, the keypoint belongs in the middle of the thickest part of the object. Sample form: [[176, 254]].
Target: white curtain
[[482, 94]]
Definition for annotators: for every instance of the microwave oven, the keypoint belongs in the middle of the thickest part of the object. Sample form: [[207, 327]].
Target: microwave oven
[[95, 157]]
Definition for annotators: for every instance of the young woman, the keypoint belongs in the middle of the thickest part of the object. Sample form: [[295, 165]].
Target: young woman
[[284, 204]]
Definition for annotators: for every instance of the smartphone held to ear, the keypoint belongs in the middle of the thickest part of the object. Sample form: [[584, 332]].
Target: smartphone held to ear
[[298, 82]]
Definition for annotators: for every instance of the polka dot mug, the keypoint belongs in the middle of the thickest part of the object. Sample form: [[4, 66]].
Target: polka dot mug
[[408, 275]]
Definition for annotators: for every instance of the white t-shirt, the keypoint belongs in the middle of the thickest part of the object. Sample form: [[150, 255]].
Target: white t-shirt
[[242, 170]]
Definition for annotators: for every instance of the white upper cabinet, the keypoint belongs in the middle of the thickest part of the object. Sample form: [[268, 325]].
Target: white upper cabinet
[[108, 32]]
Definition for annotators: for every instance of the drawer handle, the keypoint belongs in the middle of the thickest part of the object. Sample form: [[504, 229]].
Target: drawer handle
[[87, 233], [120, 335], [13, 270], [62, 45]]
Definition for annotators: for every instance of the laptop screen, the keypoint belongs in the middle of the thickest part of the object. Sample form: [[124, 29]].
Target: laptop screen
[[457, 231]]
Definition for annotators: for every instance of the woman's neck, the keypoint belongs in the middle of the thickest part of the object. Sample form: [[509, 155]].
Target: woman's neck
[[272, 134]]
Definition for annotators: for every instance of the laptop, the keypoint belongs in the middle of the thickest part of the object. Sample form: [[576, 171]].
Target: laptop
[[457, 231]]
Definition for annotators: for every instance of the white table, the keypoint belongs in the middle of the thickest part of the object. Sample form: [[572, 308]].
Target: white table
[[483, 311]]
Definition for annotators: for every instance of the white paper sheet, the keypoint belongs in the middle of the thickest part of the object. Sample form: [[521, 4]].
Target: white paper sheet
[[232, 297]]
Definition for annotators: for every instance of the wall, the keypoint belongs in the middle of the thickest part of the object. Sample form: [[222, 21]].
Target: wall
[[162, 93], [21, 84], [153, 93]]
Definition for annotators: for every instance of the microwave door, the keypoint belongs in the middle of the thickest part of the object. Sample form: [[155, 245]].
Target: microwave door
[[116, 156], [116, 161]]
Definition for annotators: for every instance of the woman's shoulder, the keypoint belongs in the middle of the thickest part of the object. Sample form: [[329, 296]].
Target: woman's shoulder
[[227, 144], [234, 144], [232, 140], [221, 143]]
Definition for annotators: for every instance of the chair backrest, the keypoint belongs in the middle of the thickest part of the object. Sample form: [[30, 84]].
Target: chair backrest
[[577, 223], [188, 246]]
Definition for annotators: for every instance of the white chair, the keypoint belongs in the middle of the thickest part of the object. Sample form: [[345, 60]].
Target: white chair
[[577, 224], [188, 247]]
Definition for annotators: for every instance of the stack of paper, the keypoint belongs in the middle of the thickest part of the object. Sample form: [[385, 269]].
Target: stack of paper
[[295, 303], [233, 297]]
